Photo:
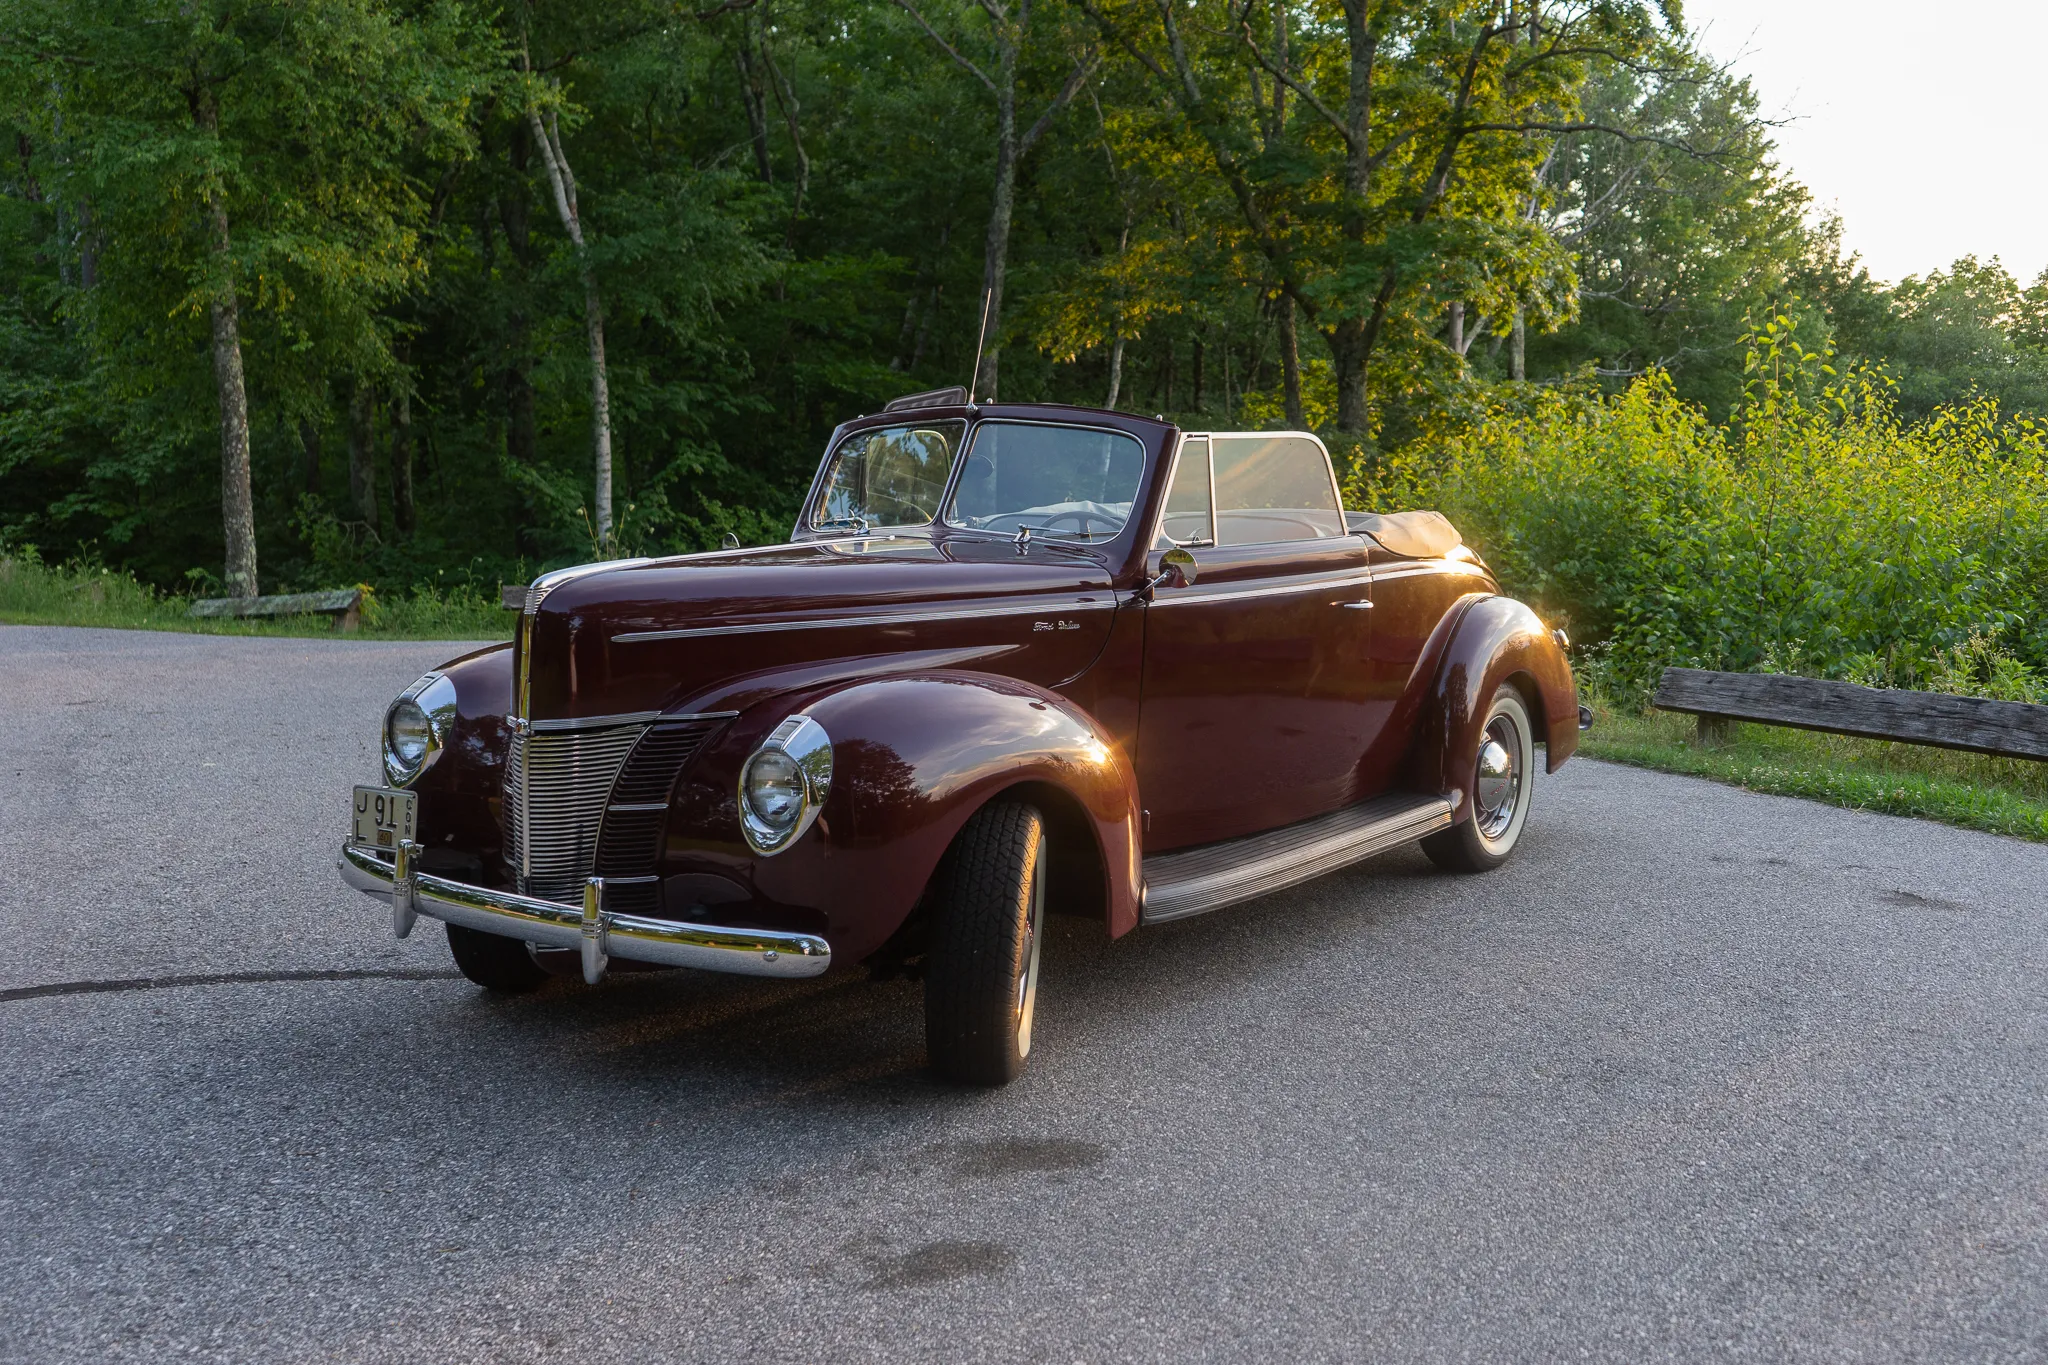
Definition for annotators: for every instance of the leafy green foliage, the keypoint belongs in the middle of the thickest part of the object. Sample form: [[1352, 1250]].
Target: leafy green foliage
[[787, 207], [1815, 532]]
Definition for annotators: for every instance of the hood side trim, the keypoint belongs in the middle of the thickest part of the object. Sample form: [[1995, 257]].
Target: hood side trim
[[1106, 602]]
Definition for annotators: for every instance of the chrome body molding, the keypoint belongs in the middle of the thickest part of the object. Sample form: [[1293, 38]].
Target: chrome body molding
[[545, 727], [554, 727], [588, 928], [896, 618], [1193, 881], [1230, 592]]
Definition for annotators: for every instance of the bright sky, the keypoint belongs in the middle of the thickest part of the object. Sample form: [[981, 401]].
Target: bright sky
[[1922, 125]]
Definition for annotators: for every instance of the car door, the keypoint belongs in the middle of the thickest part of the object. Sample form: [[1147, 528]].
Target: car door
[[1255, 696]]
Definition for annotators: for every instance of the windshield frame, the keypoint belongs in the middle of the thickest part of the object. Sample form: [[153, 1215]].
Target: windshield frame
[[945, 517], [1148, 485], [814, 502]]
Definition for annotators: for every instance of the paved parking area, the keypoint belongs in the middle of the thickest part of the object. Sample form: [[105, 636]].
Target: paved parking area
[[1702, 1075]]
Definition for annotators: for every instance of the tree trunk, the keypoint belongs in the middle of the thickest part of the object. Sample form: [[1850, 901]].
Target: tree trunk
[[755, 98], [88, 246], [1350, 348], [237, 503], [1009, 33], [362, 467], [309, 446], [402, 518], [785, 98], [996, 253], [600, 409], [924, 327], [1116, 370], [1458, 328], [1290, 363], [520, 443], [1196, 402], [519, 423], [1518, 349], [563, 181]]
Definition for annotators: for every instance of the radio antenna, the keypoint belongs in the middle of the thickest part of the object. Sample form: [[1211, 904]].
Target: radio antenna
[[980, 340]]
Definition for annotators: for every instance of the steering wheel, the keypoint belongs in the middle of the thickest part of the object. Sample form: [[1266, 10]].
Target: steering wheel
[[1084, 518]]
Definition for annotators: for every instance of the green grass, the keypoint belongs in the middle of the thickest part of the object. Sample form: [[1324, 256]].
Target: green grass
[[36, 594], [2000, 795]]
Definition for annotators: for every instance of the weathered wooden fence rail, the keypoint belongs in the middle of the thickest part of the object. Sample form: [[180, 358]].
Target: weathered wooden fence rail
[[2007, 729], [345, 605]]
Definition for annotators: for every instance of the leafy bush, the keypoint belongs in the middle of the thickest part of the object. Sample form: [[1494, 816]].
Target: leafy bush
[[1815, 532]]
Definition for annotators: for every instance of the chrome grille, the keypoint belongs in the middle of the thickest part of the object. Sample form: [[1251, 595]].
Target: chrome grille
[[556, 785]]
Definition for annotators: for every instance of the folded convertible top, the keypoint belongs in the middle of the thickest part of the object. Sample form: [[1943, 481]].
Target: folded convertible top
[[1415, 535]]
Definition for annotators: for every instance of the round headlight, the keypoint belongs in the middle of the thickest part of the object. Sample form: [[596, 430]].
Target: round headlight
[[774, 788], [784, 785], [407, 733]]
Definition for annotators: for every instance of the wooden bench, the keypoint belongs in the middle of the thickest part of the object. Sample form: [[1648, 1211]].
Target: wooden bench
[[2006, 729], [345, 605]]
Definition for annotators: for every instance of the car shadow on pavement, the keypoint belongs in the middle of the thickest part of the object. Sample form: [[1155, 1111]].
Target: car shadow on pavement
[[856, 1038]]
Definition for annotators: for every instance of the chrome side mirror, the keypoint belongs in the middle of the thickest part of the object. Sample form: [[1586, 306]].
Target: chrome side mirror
[[1176, 570]]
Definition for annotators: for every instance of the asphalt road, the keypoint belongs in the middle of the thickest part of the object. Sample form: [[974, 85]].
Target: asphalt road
[[1701, 1075]]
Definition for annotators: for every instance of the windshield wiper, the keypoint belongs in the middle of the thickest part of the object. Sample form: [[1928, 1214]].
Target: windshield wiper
[[1024, 533]]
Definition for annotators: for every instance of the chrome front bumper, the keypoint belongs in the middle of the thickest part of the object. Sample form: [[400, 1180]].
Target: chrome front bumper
[[596, 932]]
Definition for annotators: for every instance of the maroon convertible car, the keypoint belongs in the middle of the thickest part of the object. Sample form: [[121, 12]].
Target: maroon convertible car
[[1013, 658]]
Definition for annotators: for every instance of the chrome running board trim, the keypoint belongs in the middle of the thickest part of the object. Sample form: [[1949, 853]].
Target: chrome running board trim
[[1194, 881], [551, 924]]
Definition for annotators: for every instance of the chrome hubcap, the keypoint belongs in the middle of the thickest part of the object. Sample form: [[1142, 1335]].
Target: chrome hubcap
[[1027, 979], [1498, 787]]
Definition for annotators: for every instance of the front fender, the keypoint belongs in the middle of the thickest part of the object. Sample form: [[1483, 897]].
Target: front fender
[[460, 791], [912, 758], [1495, 640]]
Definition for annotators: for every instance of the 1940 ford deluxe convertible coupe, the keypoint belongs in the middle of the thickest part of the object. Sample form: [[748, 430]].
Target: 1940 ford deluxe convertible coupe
[[1013, 658]]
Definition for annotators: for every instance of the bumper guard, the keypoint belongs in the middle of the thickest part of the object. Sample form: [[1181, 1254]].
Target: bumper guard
[[598, 933]]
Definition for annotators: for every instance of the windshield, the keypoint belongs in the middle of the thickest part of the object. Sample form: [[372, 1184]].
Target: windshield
[[891, 476], [1069, 482]]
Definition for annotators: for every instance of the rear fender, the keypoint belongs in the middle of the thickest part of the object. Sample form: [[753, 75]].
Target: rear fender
[[912, 759], [1495, 640]]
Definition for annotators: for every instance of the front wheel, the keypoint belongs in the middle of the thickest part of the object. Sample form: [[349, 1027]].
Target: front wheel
[[496, 963], [1503, 773], [981, 966]]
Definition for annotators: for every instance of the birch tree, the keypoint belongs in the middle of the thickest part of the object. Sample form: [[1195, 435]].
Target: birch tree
[[547, 136]]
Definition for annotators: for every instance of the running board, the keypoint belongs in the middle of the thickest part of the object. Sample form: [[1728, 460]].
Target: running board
[[1196, 880]]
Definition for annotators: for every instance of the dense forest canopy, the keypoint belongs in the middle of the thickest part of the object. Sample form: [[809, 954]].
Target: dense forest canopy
[[294, 294]]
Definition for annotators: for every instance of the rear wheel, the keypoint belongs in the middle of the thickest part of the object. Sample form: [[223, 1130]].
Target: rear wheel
[[981, 966], [1503, 773], [495, 962]]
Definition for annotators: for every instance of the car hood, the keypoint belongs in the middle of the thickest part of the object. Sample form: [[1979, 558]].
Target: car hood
[[716, 632]]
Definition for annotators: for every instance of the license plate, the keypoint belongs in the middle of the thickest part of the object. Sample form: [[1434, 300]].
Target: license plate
[[384, 816]]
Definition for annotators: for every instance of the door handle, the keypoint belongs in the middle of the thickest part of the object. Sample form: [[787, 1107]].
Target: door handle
[[1355, 606]]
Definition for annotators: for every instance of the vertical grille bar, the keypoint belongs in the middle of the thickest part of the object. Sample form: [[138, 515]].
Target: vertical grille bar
[[556, 785], [629, 843]]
